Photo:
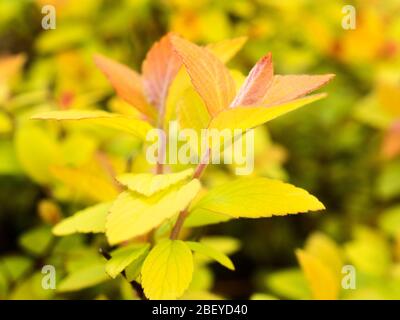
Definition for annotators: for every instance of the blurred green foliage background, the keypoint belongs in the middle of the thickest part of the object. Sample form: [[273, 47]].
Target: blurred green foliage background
[[344, 149]]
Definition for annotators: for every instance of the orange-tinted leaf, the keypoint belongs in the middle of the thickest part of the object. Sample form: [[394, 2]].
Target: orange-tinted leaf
[[209, 76], [126, 82], [286, 88], [256, 84], [159, 69], [391, 142], [10, 65]]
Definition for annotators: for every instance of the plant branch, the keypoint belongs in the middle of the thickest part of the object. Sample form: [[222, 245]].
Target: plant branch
[[184, 213], [162, 149]]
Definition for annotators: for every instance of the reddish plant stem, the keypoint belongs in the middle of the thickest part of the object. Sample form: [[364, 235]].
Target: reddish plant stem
[[184, 213], [107, 166], [162, 149]]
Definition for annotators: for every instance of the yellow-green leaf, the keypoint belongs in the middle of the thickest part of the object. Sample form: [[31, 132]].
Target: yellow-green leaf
[[191, 111], [37, 151], [225, 50], [202, 217], [247, 117], [85, 277], [167, 270], [122, 257], [389, 221], [289, 284], [132, 214], [257, 197], [89, 220], [127, 124], [148, 184], [132, 271], [212, 253], [37, 240]]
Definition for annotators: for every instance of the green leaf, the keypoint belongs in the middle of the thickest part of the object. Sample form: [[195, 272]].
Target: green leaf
[[212, 253], [36, 241], [30, 288], [85, 277], [257, 197], [132, 214], [127, 124], [289, 284], [89, 220], [388, 184], [132, 272], [369, 252], [389, 221], [122, 257], [167, 270], [14, 267], [148, 184]]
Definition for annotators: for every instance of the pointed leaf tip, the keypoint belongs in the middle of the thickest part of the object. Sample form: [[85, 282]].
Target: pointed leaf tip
[[126, 82], [256, 84], [210, 78]]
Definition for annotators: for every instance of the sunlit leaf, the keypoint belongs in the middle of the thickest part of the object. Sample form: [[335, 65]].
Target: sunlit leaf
[[127, 124], [132, 214], [257, 197], [148, 184], [212, 253], [191, 111], [89, 220], [246, 117], [224, 244], [167, 270], [202, 217], [124, 256]]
